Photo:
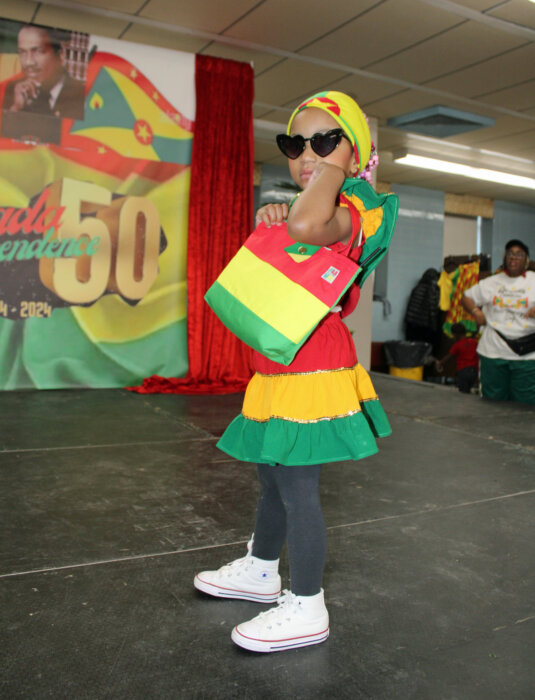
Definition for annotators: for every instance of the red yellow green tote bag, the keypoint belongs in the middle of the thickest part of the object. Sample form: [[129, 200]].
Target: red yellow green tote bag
[[274, 291]]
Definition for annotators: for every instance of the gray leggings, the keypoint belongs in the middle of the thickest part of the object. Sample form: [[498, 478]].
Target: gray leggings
[[289, 508]]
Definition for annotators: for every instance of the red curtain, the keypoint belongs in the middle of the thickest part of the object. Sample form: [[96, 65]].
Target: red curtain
[[220, 216]]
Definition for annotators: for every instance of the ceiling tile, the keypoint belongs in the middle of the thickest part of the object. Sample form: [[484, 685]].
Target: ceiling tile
[[169, 40], [288, 25], [386, 29], [413, 100], [504, 126], [517, 11], [512, 143], [453, 50], [79, 21], [205, 15], [261, 112], [391, 139], [260, 61], [291, 81], [277, 116], [266, 152], [480, 5], [387, 172], [22, 10], [519, 97], [402, 176], [526, 152], [365, 90], [127, 6], [400, 103], [500, 72]]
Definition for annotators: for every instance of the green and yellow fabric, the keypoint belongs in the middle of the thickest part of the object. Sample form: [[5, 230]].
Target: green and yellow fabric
[[307, 418], [378, 214]]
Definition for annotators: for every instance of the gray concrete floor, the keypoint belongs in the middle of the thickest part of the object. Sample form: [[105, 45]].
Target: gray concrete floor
[[111, 501]]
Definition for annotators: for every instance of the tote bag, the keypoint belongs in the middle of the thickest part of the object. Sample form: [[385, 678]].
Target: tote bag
[[274, 291]]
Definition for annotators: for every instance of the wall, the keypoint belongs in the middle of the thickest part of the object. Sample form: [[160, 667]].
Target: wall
[[416, 246], [512, 221], [460, 235], [276, 185], [485, 234]]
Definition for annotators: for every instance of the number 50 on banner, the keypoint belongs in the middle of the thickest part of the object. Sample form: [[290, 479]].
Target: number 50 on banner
[[117, 244]]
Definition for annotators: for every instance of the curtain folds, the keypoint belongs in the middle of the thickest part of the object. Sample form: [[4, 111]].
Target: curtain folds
[[220, 216]]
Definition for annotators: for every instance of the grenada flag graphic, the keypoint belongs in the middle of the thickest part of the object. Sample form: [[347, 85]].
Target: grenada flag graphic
[[93, 238], [126, 113]]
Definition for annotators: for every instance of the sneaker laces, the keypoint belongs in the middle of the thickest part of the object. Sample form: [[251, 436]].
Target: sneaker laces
[[287, 608], [250, 546], [235, 567]]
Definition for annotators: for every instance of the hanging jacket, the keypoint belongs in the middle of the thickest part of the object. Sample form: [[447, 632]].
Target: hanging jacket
[[423, 306]]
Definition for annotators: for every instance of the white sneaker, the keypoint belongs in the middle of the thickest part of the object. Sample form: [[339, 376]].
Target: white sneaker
[[297, 621], [248, 578]]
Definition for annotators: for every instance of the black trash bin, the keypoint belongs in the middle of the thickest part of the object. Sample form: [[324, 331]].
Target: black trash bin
[[405, 358]]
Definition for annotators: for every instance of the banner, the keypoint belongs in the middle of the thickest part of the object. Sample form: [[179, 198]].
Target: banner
[[95, 150]]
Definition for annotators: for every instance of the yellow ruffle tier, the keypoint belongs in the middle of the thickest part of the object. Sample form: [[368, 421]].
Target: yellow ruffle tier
[[307, 418]]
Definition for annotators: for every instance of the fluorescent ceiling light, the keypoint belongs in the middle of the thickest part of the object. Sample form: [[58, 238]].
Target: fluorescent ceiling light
[[445, 166]]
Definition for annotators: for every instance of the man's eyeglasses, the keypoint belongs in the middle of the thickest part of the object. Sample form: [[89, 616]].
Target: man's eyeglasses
[[321, 143], [515, 254]]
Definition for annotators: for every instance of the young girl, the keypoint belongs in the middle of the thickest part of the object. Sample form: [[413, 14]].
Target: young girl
[[320, 408]]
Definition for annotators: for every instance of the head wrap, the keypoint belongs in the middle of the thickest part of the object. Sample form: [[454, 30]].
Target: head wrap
[[346, 112], [519, 244]]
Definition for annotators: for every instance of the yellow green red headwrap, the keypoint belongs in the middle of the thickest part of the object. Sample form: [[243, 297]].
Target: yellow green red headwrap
[[344, 110]]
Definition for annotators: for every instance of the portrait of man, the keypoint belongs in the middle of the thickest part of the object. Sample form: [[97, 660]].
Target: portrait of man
[[45, 89]]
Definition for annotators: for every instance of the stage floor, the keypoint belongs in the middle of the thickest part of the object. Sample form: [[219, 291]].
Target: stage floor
[[111, 501]]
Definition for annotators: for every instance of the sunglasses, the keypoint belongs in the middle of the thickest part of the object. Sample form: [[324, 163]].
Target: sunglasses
[[321, 144]]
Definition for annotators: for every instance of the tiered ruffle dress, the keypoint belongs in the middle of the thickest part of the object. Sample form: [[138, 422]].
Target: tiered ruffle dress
[[320, 408]]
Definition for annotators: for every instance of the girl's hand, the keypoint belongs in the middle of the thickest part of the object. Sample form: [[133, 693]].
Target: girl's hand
[[530, 313], [272, 214]]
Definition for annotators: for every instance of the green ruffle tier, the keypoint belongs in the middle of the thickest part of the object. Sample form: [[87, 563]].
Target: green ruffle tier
[[278, 441]]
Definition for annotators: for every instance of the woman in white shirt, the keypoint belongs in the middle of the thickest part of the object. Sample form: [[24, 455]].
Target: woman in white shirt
[[504, 304]]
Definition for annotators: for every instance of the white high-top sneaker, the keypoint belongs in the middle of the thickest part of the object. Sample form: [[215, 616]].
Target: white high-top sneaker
[[297, 621], [248, 578]]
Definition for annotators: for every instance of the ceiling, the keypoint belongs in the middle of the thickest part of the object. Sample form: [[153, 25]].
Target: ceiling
[[393, 56]]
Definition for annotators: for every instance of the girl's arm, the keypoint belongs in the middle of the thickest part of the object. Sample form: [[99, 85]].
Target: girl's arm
[[315, 217]]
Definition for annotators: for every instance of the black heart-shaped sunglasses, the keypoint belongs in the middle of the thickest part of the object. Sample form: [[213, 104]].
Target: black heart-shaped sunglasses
[[321, 143]]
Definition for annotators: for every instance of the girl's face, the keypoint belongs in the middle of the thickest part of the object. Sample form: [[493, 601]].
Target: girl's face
[[307, 123]]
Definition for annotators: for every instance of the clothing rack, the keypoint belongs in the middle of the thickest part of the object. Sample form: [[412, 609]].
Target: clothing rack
[[453, 261]]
